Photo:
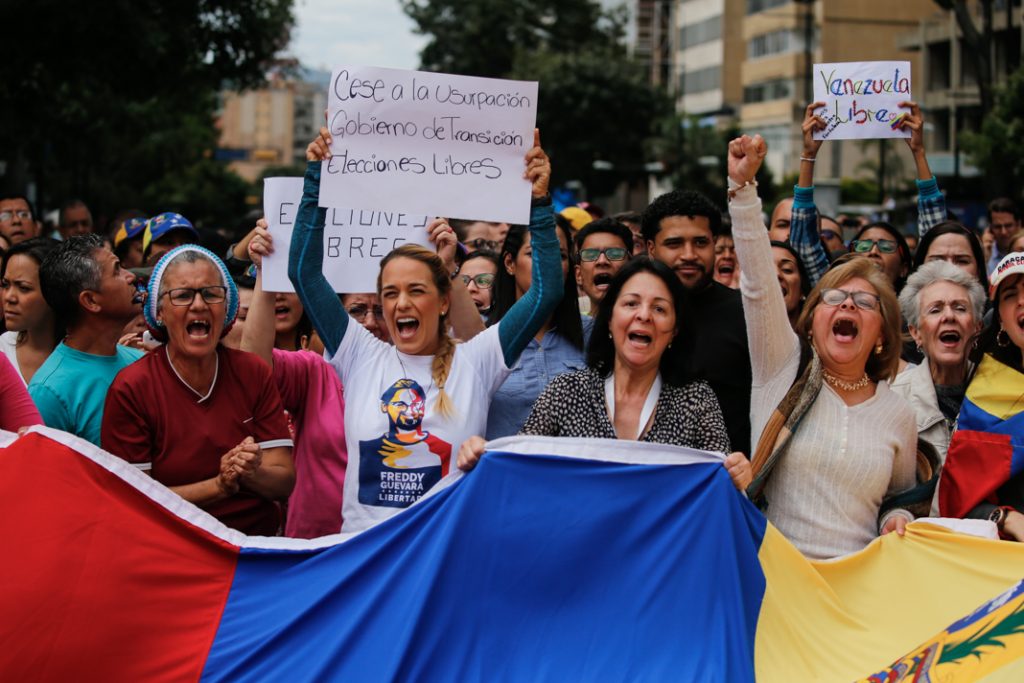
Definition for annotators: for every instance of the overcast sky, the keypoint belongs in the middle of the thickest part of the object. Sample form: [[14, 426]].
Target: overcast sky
[[330, 33]]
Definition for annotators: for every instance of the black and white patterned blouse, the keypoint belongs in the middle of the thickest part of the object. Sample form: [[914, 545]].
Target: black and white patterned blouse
[[573, 405]]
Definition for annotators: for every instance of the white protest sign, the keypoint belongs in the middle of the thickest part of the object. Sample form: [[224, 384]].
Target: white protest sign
[[428, 143], [354, 240], [862, 99]]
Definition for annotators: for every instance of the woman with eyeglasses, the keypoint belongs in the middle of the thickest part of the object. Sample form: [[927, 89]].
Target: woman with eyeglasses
[[835, 441], [198, 417], [478, 272], [555, 348]]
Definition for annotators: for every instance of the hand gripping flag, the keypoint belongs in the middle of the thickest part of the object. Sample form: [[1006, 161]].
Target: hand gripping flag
[[554, 560]]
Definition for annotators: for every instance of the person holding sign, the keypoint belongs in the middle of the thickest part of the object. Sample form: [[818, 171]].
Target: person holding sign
[[879, 241], [834, 439], [409, 403]]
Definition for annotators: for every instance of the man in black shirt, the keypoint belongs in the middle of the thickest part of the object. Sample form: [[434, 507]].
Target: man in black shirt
[[680, 228]]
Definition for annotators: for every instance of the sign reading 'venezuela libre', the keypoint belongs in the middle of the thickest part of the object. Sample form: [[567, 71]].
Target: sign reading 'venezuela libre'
[[862, 99], [428, 143]]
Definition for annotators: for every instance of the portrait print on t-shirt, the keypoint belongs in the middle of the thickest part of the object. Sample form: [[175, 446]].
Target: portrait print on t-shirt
[[397, 468]]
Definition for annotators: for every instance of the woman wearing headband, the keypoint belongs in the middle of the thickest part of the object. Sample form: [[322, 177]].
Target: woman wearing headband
[[203, 419]]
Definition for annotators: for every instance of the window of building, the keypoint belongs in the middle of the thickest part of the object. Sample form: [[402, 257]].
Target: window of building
[[781, 88], [700, 80], [701, 32], [755, 6], [778, 42]]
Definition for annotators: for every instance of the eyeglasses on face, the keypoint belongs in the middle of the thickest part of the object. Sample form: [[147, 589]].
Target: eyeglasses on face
[[884, 246], [481, 243], [483, 280], [612, 254], [863, 300], [184, 296], [6, 216], [360, 311]]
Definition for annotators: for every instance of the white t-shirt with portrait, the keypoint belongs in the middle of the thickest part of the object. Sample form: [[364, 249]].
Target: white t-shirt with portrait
[[398, 445]]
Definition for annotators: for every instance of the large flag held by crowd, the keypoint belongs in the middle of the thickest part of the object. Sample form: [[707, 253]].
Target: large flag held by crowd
[[554, 560]]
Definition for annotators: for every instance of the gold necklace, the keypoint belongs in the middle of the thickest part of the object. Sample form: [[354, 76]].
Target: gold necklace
[[843, 384]]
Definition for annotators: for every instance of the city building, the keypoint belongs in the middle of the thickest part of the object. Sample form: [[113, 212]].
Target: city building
[[271, 126], [948, 89]]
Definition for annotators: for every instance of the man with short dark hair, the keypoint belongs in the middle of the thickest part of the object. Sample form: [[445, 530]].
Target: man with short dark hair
[[84, 284], [680, 228], [1004, 222], [17, 220], [74, 219], [603, 246]]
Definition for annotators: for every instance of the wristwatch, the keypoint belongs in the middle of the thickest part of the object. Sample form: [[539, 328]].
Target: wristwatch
[[998, 516]]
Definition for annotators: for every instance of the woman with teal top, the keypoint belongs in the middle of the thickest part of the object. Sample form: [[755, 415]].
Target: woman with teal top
[[408, 405]]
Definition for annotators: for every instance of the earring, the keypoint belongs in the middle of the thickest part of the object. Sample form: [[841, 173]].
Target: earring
[[609, 335], [1002, 338], [878, 350]]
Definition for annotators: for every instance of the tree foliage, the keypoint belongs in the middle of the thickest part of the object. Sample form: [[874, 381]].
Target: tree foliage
[[998, 148], [595, 103], [125, 97]]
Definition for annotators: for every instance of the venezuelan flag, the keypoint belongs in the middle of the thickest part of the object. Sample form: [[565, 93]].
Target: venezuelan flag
[[555, 560], [987, 448]]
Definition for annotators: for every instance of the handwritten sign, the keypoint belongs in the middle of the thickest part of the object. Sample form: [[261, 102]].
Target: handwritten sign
[[862, 99], [429, 143], [355, 240]]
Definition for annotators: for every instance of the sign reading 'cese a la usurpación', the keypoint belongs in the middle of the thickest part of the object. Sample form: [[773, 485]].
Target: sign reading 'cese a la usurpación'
[[428, 143]]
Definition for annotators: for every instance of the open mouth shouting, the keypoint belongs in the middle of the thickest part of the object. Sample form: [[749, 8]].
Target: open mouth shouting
[[198, 329], [845, 330], [406, 326], [950, 338], [602, 280], [282, 311], [639, 339], [725, 266]]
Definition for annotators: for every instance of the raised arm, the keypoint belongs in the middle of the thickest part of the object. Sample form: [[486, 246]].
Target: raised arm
[[464, 317], [803, 229], [528, 314], [771, 339], [306, 254], [258, 335], [931, 205]]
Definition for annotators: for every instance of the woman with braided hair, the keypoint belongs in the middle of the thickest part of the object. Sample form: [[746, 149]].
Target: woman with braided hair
[[407, 404]]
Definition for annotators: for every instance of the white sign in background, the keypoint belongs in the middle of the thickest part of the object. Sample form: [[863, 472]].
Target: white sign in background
[[428, 143], [354, 240], [861, 99]]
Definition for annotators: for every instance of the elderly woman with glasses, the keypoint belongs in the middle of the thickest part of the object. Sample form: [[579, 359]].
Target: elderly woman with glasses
[[943, 306], [835, 441], [203, 419]]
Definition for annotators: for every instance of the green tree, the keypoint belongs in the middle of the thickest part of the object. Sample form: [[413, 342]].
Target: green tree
[[998, 148], [595, 102], [125, 97]]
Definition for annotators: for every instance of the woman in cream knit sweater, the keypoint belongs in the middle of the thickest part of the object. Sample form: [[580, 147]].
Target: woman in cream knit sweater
[[835, 440]]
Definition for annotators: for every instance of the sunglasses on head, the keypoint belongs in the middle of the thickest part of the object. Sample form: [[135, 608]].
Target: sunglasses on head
[[884, 246], [482, 243]]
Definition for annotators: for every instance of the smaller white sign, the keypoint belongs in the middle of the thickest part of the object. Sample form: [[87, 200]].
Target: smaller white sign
[[862, 99], [354, 240]]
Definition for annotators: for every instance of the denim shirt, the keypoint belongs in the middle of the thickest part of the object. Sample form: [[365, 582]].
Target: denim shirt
[[539, 364]]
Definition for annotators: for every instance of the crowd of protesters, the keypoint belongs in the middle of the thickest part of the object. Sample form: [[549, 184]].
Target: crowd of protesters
[[829, 373]]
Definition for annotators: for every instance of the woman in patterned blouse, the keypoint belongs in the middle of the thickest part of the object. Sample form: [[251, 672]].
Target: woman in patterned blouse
[[631, 388]]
